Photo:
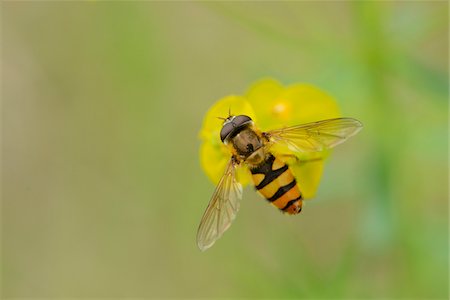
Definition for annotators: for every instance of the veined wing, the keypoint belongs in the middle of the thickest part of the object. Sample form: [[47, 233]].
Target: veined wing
[[221, 210], [316, 136]]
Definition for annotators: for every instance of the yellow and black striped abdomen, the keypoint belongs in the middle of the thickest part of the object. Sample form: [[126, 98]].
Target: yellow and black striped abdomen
[[274, 180]]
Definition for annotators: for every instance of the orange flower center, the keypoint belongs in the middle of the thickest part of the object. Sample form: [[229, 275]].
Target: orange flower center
[[282, 110]]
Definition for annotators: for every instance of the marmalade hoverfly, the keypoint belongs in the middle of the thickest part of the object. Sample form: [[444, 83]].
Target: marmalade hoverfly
[[271, 176]]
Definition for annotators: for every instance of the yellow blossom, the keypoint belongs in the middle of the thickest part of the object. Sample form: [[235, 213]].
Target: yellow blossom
[[271, 106]]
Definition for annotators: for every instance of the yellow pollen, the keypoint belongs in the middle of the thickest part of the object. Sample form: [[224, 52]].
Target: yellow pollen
[[281, 110]]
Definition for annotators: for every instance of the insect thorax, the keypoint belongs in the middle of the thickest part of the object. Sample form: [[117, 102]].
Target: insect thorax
[[246, 142]]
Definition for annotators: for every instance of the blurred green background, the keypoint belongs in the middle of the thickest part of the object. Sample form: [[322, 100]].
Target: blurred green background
[[102, 189]]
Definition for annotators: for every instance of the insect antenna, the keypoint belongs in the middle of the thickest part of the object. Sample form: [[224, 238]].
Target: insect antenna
[[229, 115]]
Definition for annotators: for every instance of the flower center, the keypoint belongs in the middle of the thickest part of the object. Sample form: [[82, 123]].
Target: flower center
[[282, 109]]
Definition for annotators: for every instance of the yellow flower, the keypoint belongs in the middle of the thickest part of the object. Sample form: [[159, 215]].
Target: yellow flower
[[271, 106]]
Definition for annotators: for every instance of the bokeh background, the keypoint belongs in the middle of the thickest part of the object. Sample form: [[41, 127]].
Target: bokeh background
[[102, 189]]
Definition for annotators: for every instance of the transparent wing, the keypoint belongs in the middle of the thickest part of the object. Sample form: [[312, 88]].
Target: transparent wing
[[316, 136], [221, 210]]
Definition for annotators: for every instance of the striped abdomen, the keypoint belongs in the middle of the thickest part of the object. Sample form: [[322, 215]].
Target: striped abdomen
[[274, 180]]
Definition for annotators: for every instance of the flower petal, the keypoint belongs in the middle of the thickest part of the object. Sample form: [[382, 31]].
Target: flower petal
[[261, 95], [308, 177], [213, 160], [309, 104]]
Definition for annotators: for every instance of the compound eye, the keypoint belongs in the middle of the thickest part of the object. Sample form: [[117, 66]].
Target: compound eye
[[242, 119], [226, 130]]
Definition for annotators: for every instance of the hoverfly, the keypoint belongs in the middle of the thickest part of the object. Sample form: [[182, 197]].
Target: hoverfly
[[271, 176]]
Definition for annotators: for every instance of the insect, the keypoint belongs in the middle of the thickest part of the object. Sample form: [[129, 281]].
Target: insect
[[271, 176]]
